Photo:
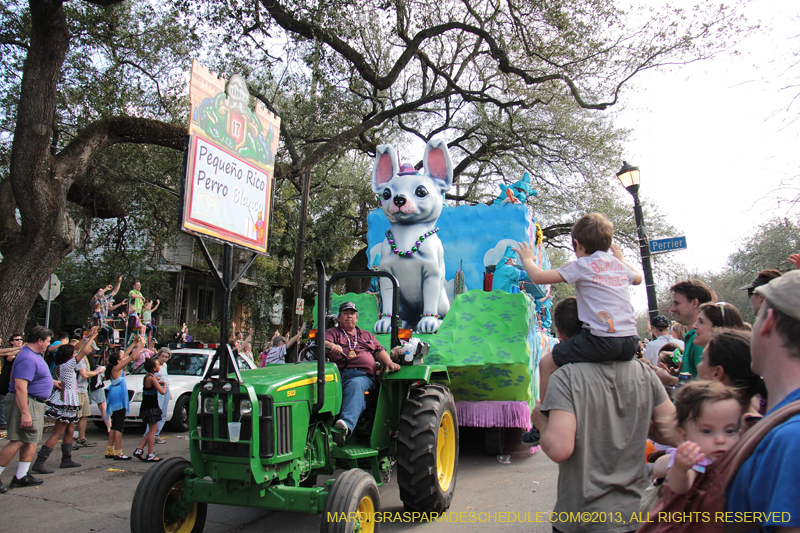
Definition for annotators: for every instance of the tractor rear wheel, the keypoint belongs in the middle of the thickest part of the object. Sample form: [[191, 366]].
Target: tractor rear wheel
[[154, 503], [427, 449], [352, 504]]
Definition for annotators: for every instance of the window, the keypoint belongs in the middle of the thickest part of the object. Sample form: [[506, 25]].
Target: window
[[205, 304]]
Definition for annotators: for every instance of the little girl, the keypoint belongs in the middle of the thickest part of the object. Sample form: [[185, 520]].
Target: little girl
[[709, 416], [147, 321], [150, 412], [64, 405], [118, 399]]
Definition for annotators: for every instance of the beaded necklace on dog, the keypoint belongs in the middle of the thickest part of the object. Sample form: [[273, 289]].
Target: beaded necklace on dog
[[408, 253]]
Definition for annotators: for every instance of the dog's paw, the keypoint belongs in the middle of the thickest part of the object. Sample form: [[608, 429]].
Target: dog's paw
[[384, 325], [428, 324]]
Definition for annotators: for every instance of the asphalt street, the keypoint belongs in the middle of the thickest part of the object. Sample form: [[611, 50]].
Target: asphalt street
[[97, 496]]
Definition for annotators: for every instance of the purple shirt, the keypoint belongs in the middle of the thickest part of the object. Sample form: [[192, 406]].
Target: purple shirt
[[363, 343], [31, 367]]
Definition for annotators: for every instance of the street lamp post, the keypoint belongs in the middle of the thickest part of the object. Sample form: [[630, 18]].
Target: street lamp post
[[629, 177]]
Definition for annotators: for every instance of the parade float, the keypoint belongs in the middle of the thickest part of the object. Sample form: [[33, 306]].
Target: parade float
[[496, 329]]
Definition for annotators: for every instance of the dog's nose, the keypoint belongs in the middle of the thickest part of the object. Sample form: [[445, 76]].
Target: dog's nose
[[399, 201]]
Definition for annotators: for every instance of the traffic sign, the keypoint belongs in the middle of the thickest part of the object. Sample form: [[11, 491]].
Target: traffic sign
[[54, 287], [671, 244]]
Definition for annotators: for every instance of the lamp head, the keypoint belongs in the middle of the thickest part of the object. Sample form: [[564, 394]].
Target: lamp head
[[629, 177]]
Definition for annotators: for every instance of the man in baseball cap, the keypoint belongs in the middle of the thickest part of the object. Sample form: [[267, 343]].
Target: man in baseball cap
[[764, 277], [660, 327], [767, 481], [354, 351]]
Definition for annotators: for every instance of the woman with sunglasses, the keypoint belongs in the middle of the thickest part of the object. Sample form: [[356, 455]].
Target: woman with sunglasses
[[7, 356], [716, 315]]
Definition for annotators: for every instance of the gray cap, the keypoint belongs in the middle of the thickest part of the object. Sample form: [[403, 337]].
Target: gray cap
[[783, 293], [348, 305]]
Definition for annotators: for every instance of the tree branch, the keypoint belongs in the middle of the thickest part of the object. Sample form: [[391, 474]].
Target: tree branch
[[73, 161]]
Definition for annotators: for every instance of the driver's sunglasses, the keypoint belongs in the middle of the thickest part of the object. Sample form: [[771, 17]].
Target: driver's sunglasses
[[16, 339]]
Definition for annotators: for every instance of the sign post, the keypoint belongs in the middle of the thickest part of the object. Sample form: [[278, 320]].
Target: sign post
[[50, 291]]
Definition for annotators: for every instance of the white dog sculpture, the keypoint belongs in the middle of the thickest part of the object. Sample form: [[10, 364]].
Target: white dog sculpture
[[411, 251]]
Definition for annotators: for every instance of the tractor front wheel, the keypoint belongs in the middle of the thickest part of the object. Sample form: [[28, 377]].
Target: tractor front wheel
[[352, 504], [156, 502], [427, 449]]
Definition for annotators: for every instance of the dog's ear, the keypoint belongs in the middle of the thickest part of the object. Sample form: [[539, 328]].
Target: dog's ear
[[437, 163], [385, 168]]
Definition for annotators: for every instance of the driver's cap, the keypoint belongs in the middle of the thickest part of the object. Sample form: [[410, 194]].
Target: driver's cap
[[348, 305]]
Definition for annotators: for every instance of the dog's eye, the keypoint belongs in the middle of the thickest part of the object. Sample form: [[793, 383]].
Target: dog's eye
[[387, 194], [421, 191]]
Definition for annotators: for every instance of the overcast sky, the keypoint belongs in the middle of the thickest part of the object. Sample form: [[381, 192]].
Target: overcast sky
[[715, 137]]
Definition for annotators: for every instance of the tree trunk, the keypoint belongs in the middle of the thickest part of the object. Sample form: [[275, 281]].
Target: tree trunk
[[46, 232]]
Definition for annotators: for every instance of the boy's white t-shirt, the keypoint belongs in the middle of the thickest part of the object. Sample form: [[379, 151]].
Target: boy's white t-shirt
[[602, 288]]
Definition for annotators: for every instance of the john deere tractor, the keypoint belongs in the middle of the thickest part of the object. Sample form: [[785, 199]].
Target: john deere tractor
[[284, 415]]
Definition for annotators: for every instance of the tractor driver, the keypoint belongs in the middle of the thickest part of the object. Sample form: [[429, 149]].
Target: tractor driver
[[354, 351]]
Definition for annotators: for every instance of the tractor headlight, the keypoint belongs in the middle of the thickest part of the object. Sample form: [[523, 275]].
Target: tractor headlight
[[246, 408], [208, 406]]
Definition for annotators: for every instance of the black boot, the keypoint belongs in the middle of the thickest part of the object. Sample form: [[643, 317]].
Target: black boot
[[38, 466], [66, 457]]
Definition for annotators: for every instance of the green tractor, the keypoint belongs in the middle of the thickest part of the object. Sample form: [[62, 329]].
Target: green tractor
[[284, 416]]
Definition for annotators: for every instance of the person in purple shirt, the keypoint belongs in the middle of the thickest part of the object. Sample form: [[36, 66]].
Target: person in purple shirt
[[29, 388], [354, 351]]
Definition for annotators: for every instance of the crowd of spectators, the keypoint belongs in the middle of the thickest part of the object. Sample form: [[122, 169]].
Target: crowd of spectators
[[740, 375], [594, 419]]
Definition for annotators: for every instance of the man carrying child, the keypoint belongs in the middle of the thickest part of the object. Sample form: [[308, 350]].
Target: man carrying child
[[594, 422], [601, 284]]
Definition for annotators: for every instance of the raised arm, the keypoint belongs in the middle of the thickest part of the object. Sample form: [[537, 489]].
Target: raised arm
[[617, 252], [158, 302], [86, 348], [116, 287], [536, 274], [294, 339]]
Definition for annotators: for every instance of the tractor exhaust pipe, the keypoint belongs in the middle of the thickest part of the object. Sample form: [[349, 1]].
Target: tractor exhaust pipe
[[321, 308]]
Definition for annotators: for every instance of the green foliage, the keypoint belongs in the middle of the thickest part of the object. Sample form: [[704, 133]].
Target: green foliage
[[510, 86]]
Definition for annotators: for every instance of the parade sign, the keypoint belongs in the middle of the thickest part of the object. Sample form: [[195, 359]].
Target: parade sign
[[228, 185], [661, 246]]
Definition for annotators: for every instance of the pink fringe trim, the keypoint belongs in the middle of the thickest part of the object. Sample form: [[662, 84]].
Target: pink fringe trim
[[494, 414]]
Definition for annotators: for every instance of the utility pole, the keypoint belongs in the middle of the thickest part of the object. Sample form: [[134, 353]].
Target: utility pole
[[299, 259]]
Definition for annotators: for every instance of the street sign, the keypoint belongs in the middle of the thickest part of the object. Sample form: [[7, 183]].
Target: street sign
[[661, 246], [298, 308], [50, 291], [53, 285]]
